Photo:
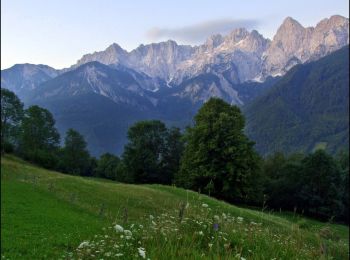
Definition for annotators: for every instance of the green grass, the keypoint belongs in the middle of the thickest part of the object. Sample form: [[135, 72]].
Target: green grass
[[47, 215]]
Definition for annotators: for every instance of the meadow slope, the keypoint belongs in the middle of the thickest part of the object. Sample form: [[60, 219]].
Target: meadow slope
[[50, 215]]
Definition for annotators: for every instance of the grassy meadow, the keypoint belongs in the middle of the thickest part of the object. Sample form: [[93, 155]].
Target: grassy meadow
[[49, 215]]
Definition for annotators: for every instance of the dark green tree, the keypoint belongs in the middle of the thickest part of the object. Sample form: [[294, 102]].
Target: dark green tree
[[281, 180], [39, 138], [144, 154], [218, 156], [11, 116], [320, 185], [174, 148], [107, 166], [75, 156]]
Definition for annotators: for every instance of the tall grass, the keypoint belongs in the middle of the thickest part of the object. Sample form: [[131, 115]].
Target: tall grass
[[50, 215]]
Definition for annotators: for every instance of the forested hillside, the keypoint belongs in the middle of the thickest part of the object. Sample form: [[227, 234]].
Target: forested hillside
[[306, 109]]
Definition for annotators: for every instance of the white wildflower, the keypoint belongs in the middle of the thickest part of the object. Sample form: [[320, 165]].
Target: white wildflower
[[200, 233], [119, 254], [239, 219], [108, 254], [151, 217], [118, 228], [84, 244], [204, 205], [216, 218], [127, 232], [142, 252]]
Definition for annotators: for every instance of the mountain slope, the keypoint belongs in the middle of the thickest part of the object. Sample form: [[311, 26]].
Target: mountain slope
[[308, 106], [98, 101], [46, 214], [23, 78]]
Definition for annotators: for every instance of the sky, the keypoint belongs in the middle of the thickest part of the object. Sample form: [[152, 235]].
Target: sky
[[59, 32]]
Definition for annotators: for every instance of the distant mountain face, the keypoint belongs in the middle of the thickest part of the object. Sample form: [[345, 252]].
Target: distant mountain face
[[238, 57], [306, 109], [248, 55], [99, 101], [107, 91], [23, 78]]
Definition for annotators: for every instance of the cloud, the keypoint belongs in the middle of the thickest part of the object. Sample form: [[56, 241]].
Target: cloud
[[197, 33]]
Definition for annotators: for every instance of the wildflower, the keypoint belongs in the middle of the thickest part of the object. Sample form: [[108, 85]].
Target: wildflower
[[118, 228], [151, 217], [216, 218], [216, 226], [142, 252], [108, 254], [119, 254], [224, 216], [210, 245], [83, 244], [239, 219], [200, 233], [127, 232], [204, 205]]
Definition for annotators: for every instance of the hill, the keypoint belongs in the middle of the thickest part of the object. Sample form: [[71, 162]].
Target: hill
[[307, 108], [47, 214]]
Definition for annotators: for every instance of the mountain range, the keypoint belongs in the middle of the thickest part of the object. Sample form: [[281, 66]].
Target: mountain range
[[105, 92]]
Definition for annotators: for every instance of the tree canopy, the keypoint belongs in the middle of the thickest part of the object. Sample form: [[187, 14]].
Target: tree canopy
[[152, 152], [39, 138], [75, 154], [11, 116], [218, 157]]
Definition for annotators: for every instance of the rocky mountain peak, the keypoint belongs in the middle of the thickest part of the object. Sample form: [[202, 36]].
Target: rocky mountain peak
[[214, 40], [290, 22], [290, 30], [237, 34], [114, 47], [249, 52]]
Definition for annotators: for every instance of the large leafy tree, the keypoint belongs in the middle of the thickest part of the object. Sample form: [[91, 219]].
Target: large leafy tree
[[39, 139], [11, 116], [144, 154], [218, 158], [76, 157]]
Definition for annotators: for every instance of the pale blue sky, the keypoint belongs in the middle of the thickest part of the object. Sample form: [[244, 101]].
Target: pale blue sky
[[59, 32]]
